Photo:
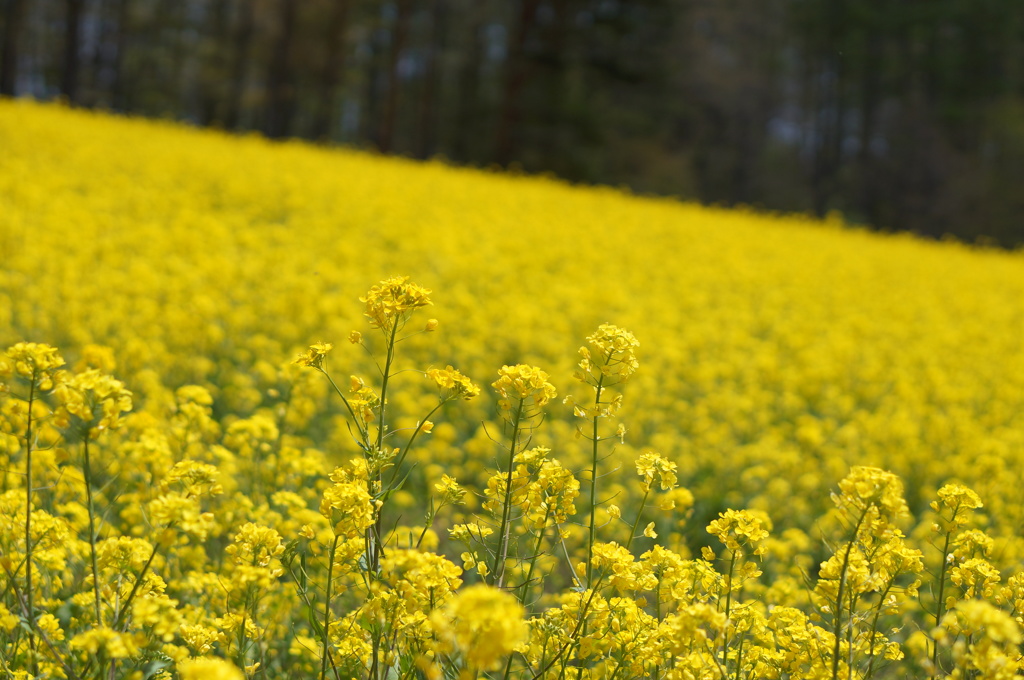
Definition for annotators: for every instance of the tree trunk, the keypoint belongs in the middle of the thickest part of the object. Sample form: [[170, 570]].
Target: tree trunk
[[468, 109], [280, 92], [515, 79], [334, 69], [427, 137], [9, 57], [213, 66], [72, 43], [399, 33], [243, 41], [117, 76]]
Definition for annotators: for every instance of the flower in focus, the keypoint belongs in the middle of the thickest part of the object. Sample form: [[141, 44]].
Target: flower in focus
[[654, 465], [739, 528], [524, 384], [609, 356], [389, 303]]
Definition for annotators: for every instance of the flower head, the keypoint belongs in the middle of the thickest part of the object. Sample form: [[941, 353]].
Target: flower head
[[609, 355], [31, 361], [389, 303], [314, 356], [92, 400], [453, 383], [524, 384], [483, 623]]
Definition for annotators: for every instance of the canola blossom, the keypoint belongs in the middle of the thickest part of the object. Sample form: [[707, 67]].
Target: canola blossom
[[573, 432]]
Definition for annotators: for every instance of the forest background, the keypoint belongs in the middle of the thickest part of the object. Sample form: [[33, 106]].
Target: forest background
[[898, 114]]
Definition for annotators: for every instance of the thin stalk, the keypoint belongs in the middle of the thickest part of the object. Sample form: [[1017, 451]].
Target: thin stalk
[[327, 609], [240, 659], [122, 616], [355, 418], [386, 375], [408, 445], [497, 575], [849, 639], [941, 600], [739, 659], [636, 522], [728, 609], [875, 628], [657, 617], [373, 533], [533, 561], [839, 596], [595, 440], [28, 527], [87, 472]]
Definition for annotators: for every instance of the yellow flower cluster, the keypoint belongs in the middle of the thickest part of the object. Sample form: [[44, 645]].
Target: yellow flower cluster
[[389, 303], [182, 498], [523, 388]]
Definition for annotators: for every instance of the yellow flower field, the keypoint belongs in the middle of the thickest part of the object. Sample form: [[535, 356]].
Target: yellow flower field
[[288, 412]]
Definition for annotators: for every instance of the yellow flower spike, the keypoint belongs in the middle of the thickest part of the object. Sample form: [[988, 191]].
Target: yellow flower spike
[[523, 384], [91, 402], [389, 303], [32, 361]]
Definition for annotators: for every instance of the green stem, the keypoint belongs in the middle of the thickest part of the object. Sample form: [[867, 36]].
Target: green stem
[[874, 628], [408, 445], [327, 609], [497, 575], [636, 522], [28, 526], [593, 484], [941, 601], [87, 471], [360, 425], [373, 538], [533, 562], [122, 616], [384, 384], [837, 620], [728, 609]]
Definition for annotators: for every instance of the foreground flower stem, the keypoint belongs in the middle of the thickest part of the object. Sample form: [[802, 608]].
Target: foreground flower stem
[[87, 473], [28, 528], [374, 539], [122, 616], [593, 485], [68, 671], [837, 622], [327, 610], [939, 601], [874, 628], [497, 575], [728, 610]]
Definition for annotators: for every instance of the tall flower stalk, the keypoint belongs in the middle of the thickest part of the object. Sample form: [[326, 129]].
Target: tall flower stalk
[[608, 359], [34, 364]]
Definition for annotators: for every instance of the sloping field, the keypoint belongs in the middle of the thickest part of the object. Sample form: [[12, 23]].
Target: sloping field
[[775, 353]]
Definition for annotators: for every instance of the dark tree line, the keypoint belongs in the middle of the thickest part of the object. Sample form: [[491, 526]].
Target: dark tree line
[[902, 114]]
